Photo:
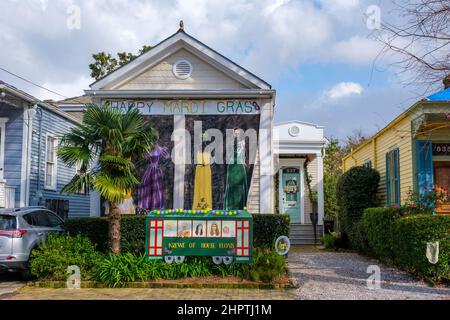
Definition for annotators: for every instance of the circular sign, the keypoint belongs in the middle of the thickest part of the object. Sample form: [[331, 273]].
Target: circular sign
[[282, 245]]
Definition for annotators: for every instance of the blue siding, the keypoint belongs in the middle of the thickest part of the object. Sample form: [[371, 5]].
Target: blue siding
[[52, 123], [12, 170]]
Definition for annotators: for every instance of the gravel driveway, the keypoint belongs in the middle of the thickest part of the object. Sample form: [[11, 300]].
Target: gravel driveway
[[336, 275]]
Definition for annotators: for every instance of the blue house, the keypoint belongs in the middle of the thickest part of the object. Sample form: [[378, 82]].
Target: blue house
[[30, 173]]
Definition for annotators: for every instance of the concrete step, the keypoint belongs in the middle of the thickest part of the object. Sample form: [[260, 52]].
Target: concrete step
[[304, 242], [305, 236]]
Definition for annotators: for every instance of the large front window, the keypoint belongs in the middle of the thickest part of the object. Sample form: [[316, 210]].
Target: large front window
[[50, 163]]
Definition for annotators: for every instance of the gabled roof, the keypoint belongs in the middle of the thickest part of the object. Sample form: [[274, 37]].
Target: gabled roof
[[440, 98], [443, 95], [84, 99], [181, 39], [33, 100]]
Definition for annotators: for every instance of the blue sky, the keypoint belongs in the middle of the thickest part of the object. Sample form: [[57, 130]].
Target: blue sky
[[318, 54]]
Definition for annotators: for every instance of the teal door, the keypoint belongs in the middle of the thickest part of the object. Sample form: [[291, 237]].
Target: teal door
[[290, 200]]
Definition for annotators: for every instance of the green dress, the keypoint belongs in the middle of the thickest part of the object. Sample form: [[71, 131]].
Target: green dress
[[236, 189]]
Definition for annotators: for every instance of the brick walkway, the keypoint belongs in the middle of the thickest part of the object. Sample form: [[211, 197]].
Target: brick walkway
[[9, 284], [30, 293]]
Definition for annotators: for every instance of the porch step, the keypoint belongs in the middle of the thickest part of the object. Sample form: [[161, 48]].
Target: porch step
[[303, 234]]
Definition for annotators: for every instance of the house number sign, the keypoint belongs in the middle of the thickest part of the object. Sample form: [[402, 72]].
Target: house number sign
[[441, 149]]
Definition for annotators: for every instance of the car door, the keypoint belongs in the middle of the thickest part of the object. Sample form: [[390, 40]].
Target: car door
[[55, 223], [41, 224]]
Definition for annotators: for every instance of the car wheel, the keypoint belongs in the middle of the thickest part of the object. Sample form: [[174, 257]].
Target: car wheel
[[26, 273]]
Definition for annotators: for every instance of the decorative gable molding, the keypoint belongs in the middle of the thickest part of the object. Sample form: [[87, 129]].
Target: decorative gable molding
[[169, 46]]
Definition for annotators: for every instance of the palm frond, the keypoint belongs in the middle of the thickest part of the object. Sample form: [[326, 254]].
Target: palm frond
[[114, 187], [78, 184]]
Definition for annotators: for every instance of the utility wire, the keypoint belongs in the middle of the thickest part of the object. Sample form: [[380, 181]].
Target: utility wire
[[35, 84]]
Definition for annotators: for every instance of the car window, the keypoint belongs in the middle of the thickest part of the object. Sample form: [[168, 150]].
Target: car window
[[40, 219], [54, 220], [29, 219], [8, 223]]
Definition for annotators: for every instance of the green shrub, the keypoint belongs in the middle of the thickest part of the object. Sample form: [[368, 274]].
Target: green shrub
[[409, 238], [378, 225], [329, 241], [357, 237], [117, 270], [403, 240], [356, 191], [96, 229], [51, 259], [266, 266], [266, 229]]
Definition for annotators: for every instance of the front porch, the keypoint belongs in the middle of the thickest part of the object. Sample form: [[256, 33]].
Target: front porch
[[431, 131], [299, 178]]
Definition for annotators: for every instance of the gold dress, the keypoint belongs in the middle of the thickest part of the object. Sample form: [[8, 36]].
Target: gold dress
[[202, 182]]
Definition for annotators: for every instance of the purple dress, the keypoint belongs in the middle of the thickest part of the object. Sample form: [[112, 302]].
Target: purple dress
[[151, 190]]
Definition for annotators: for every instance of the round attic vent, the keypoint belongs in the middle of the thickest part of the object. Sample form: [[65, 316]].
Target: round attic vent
[[182, 69], [294, 131]]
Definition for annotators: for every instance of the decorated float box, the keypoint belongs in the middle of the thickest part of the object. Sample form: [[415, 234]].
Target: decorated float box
[[224, 235]]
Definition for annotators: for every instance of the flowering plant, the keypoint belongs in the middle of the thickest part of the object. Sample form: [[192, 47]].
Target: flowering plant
[[425, 203], [441, 194]]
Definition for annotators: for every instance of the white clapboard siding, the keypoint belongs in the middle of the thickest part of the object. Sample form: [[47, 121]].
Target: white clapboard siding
[[253, 193], [204, 76]]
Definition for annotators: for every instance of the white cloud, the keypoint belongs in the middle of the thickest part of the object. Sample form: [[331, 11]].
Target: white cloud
[[356, 50], [267, 37], [344, 90]]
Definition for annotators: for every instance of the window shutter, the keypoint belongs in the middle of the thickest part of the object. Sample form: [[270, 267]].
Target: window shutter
[[397, 175], [425, 177], [388, 181]]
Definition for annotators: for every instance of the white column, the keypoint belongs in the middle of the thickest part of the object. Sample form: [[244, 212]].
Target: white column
[[302, 192], [179, 152], [320, 188], [266, 193]]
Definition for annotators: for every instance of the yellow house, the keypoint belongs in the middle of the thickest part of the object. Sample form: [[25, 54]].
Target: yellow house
[[412, 152]]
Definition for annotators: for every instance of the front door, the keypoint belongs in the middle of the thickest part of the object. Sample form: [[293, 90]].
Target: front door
[[290, 202], [442, 181]]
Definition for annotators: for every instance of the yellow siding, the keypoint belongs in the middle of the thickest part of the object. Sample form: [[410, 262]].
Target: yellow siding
[[398, 135]]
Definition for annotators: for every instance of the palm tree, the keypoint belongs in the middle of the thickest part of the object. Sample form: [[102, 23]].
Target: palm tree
[[106, 146]]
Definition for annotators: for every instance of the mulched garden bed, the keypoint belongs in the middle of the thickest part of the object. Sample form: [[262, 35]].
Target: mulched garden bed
[[284, 282]]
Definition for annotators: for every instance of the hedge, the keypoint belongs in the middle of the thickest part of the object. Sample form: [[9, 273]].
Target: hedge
[[403, 240], [378, 224], [356, 190], [410, 239], [266, 229]]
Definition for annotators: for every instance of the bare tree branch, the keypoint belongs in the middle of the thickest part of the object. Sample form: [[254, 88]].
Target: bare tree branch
[[418, 41]]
